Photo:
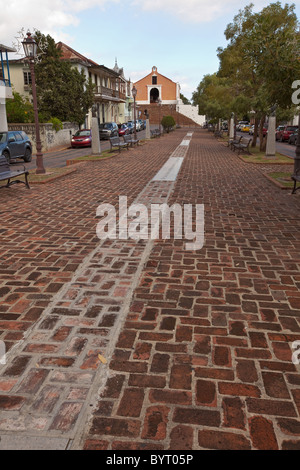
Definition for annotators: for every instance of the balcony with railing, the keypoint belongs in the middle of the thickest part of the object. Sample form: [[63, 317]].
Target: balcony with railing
[[103, 93], [5, 85]]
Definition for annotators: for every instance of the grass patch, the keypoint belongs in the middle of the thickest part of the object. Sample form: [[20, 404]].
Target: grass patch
[[281, 179], [93, 158], [257, 156], [50, 175]]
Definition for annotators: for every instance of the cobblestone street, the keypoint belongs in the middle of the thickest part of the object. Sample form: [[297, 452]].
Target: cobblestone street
[[145, 345]]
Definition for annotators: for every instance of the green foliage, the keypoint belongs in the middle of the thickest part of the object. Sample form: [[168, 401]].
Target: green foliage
[[19, 109], [56, 123], [184, 99], [214, 97], [168, 122], [261, 57], [257, 68], [62, 90]]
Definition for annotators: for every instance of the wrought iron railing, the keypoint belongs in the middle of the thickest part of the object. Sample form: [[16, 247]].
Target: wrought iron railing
[[104, 91]]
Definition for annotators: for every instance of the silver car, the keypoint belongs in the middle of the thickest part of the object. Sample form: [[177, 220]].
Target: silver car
[[108, 130]]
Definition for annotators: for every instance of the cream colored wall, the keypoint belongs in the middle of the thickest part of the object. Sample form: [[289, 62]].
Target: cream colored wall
[[17, 79]]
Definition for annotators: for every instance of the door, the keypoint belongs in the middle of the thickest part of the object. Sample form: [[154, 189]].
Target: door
[[12, 145], [20, 145]]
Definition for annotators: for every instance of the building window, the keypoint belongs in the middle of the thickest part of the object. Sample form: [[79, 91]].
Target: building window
[[154, 80], [27, 78]]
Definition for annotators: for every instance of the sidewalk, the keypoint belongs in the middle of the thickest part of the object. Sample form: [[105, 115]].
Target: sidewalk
[[144, 345]]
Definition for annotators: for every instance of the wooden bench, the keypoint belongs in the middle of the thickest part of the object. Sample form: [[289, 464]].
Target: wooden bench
[[116, 142], [130, 140], [242, 145], [7, 174], [296, 178]]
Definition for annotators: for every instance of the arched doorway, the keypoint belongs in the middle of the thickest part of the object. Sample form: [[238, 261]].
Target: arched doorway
[[154, 95]]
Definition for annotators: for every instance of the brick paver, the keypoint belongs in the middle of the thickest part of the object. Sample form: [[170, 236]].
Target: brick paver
[[145, 345]]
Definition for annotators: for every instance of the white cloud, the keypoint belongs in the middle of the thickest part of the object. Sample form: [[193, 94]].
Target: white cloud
[[52, 16], [48, 16], [197, 11]]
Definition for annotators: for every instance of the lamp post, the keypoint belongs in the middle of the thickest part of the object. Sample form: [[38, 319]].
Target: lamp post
[[30, 49], [134, 92], [297, 156]]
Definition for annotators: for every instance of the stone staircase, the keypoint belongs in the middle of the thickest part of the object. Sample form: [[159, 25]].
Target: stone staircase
[[157, 112]]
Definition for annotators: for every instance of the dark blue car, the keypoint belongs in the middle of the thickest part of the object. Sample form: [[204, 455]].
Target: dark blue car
[[15, 144]]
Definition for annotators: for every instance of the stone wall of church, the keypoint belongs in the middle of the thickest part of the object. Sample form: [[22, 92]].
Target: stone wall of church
[[166, 88]]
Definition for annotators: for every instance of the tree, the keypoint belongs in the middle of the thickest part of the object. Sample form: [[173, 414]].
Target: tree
[[168, 122], [184, 99], [19, 109], [260, 59], [63, 92], [214, 97]]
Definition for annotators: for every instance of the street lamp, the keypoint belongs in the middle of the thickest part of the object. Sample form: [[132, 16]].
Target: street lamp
[[134, 92], [297, 156], [30, 50]]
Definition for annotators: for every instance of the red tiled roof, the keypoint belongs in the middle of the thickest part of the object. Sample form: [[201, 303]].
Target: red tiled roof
[[70, 54]]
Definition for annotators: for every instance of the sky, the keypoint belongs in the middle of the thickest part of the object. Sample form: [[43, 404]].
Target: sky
[[179, 37]]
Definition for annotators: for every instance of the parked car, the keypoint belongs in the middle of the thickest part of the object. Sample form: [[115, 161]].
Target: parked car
[[224, 126], [108, 129], [278, 132], [141, 124], [130, 126], [82, 138], [293, 138], [245, 128], [15, 144], [285, 133], [265, 130], [241, 124], [123, 129]]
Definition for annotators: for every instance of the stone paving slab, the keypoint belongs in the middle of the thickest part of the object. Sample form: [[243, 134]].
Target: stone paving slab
[[204, 357], [8, 442], [145, 345], [58, 361]]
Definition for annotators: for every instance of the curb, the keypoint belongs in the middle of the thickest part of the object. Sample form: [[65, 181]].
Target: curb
[[49, 180], [279, 185]]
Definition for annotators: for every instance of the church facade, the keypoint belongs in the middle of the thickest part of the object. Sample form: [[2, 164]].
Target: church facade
[[155, 87]]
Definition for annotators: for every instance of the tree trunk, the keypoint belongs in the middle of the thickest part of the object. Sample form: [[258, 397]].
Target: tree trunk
[[256, 122], [262, 140]]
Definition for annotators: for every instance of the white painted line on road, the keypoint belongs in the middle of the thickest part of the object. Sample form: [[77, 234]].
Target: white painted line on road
[[169, 170]]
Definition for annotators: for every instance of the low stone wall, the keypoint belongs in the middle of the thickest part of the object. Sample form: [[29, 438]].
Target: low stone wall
[[191, 112], [49, 137]]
